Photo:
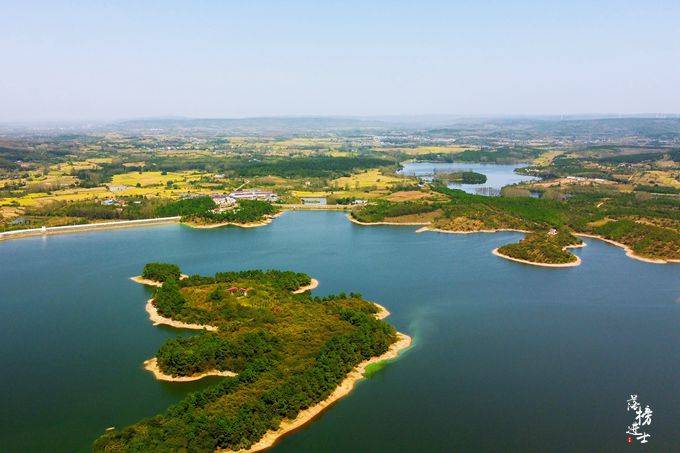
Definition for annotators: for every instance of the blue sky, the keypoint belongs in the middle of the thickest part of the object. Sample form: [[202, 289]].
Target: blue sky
[[107, 60]]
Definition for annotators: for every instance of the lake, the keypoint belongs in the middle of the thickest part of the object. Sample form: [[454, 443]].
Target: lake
[[506, 357], [497, 175]]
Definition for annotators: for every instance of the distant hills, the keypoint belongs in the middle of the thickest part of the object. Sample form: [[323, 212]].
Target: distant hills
[[552, 126], [517, 127]]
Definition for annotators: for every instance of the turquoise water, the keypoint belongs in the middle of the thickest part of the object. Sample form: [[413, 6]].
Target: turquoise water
[[507, 357], [497, 175]]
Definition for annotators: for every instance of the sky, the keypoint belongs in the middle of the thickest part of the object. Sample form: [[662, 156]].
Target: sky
[[103, 60]]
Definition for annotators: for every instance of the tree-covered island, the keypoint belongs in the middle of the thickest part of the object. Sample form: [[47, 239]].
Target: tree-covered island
[[289, 352], [461, 177]]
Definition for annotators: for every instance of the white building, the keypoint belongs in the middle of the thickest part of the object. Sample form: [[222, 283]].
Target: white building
[[254, 194]]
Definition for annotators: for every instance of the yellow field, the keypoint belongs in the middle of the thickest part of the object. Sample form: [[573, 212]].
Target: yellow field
[[41, 198], [87, 164], [4, 182], [371, 179], [450, 149], [665, 178], [53, 181], [341, 194], [154, 178], [408, 195], [134, 164], [9, 212], [547, 157], [101, 160], [308, 193]]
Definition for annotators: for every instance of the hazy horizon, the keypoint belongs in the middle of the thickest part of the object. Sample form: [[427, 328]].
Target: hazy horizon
[[75, 62]]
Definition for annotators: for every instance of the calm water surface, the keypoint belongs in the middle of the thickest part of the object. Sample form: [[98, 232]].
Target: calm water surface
[[497, 175], [507, 357]]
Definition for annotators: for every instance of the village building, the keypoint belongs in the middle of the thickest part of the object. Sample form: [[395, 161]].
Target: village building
[[254, 194], [113, 202]]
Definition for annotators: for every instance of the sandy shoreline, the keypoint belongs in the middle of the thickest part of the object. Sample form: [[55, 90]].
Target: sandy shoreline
[[402, 342], [498, 230], [629, 252], [218, 225], [266, 221], [145, 281], [358, 222], [533, 263], [157, 319], [382, 312], [345, 387], [269, 439], [152, 365], [313, 284]]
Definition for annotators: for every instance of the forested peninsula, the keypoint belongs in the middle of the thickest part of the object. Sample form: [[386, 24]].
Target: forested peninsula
[[646, 229], [203, 212], [290, 355]]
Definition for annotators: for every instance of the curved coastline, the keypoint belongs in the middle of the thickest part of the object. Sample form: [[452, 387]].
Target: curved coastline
[[157, 319], [534, 263], [265, 221], [497, 230], [629, 252], [402, 343], [218, 225], [152, 366], [145, 281], [312, 284], [359, 222], [345, 387], [382, 312]]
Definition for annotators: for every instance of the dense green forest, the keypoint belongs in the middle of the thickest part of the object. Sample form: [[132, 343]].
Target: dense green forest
[[171, 302], [673, 155], [382, 210], [184, 356], [649, 225], [499, 156], [308, 167], [186, 207], [161, 272], [285, 364], [247, 211], [290, 167], [542, 247], [201, 210], [463, 177]]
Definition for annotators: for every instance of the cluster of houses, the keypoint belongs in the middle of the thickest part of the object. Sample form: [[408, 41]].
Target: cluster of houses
[[114, 202], [254, 194], [224, 202]]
